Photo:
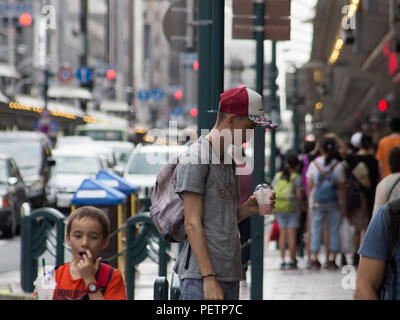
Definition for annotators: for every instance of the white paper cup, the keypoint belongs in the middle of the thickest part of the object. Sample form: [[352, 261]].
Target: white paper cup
[[263, 196], [45, 285]]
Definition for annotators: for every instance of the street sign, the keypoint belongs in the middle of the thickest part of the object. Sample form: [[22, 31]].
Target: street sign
[[143, 95], [179, 27], [276, 29], [273, 8], [65, 74], [16, 7], [84, 74], [276, 20], [157, 95]]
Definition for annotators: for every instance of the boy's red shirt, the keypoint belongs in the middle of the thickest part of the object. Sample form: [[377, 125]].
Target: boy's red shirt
[[74, 289]]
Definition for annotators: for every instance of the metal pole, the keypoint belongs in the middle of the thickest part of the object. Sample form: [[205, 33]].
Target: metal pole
[[274, 110], [296, 142], [204, 48], [83, 57], [217, 36], [257, 221]]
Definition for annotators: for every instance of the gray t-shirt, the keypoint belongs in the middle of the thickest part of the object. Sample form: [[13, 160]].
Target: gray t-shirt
[[221, 193]]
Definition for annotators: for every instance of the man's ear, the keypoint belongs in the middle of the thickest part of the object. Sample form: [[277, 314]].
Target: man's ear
[[231, 119]]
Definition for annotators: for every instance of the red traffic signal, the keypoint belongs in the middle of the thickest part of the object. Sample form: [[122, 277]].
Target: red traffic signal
[[111, 74], [382, 105], [178, 94], [194, 112], [196, 65], [25, 19]]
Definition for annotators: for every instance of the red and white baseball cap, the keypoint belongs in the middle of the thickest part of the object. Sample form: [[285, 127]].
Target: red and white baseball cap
[[246, 102]]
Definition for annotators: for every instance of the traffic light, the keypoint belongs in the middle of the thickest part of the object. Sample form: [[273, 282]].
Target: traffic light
[[25, 19], [178, 94], [16, 20], [196, 65], [382, 105], [194, 112], [111, 74]]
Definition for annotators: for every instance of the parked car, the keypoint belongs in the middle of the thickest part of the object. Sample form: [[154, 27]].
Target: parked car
[[144, 164], [71, 140], [32, 153], [72, 167], [12, 196], [122, 151], [106, 153]]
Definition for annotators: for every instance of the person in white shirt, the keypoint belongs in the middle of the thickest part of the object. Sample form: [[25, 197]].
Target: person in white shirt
[[327, 200]]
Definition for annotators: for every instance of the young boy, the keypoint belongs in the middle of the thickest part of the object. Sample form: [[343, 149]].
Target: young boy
[[86, 277]]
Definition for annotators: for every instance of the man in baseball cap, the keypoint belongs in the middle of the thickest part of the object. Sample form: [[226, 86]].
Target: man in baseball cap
[[209, 264]]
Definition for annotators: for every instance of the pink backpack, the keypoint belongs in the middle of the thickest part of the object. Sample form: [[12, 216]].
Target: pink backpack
[[167, 211]]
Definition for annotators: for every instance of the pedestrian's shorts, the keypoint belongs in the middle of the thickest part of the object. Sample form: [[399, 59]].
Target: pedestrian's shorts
[[287, 219]]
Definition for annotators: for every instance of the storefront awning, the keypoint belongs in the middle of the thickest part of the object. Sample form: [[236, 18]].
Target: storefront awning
[[55, 108]]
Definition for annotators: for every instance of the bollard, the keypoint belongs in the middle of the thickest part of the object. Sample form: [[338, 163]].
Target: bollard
[[161, 288], [175, 291]]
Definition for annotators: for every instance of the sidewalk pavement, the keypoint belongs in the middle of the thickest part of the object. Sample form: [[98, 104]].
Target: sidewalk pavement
[[300, 284]]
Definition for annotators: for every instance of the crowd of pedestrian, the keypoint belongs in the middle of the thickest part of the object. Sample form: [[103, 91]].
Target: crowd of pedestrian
[[330, 186]]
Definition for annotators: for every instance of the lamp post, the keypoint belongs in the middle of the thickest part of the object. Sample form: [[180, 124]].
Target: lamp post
[[257, 221]]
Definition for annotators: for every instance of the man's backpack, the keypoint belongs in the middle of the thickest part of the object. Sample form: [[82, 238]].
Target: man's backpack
[[167, 211], [325, 185], [284, 193], [393, 222]]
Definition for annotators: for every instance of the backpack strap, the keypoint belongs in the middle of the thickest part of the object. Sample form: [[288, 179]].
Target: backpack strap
[[393, 221], [327, 172], [392, 188], [103, 276]]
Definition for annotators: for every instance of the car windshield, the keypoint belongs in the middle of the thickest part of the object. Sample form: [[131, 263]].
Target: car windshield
[[122, 154], [107, 135], [149, 164], [77, 164], [3, 172], [26, 153]]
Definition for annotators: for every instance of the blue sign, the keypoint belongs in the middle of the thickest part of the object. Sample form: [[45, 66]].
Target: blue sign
[[157, 95], [16, 7], [143, 95], [84, 74], [177, 112]]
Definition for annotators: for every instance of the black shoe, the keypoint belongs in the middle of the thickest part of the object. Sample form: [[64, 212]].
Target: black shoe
[[292, 265], [343, 260], [356, 259]]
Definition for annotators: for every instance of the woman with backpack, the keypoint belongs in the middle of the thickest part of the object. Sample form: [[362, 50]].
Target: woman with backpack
[[327, 200], [289, 201]]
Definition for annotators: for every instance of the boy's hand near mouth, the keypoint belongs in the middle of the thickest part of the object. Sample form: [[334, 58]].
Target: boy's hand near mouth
[[88, 267]]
